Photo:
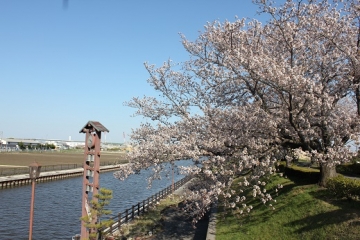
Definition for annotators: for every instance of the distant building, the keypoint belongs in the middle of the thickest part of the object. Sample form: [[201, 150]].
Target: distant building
[[13, 143], [74, 144]]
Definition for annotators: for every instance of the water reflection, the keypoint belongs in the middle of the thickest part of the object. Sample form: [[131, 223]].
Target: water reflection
[[58, 204]]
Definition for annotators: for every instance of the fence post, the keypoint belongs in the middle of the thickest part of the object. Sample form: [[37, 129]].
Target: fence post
[[138, 209], [111, 228], [127, 215], [119, 220], [133, 212], [144, 202]]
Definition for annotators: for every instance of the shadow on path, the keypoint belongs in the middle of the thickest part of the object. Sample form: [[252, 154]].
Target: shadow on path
[[177, 226]]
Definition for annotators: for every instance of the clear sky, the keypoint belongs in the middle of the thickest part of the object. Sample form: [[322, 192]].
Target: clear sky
[[61, 67]]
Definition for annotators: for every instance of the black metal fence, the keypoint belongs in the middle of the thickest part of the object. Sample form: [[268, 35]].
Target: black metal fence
[[141, 207]]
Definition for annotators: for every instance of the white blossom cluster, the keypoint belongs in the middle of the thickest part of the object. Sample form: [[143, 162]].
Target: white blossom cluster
[[249, 92]]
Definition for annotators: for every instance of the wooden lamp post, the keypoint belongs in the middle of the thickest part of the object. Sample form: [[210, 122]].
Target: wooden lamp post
[[34, 173], [93, 130]]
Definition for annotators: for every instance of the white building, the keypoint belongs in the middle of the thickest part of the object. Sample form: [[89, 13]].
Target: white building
[[13, 143]]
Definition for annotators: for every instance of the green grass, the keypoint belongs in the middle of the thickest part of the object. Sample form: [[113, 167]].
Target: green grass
[[305, 169], [301, 212]]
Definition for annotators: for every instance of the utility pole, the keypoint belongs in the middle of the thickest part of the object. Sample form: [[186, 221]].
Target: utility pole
[[1, 136]]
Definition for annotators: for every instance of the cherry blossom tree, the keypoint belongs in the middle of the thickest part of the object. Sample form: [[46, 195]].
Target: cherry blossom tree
[[249, 91]]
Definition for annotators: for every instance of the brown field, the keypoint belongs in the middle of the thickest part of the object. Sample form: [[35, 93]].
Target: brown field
[[53, 158]]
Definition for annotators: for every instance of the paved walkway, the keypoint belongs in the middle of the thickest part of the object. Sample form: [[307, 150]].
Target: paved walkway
[[177, 224]]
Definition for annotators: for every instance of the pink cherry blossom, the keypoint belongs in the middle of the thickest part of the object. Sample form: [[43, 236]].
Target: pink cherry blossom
[[252, 94]]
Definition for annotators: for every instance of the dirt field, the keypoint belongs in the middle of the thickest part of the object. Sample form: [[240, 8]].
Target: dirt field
[[52, 158]]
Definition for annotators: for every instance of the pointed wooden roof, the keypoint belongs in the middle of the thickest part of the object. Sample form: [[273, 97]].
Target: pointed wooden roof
[[94, 124]]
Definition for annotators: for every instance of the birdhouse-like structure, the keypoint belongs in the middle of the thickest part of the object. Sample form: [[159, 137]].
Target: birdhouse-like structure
[[92, 130]]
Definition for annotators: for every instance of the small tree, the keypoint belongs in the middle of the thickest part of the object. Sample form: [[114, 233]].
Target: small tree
[[98, 210], [50, 146], [21, 146]]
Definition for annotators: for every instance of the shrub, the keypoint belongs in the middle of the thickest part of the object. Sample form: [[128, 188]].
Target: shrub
[[342, 187], [304, 175], [21, 145], [352, 169]]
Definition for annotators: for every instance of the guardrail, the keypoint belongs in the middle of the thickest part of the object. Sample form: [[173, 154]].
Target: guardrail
[[5, 171], [141, 207]]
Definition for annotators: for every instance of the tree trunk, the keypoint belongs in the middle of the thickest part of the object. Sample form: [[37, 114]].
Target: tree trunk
[[288, 163], [326, 172], [357, 94]]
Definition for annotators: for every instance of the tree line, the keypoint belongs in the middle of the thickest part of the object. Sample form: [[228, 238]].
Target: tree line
[[39, 146]]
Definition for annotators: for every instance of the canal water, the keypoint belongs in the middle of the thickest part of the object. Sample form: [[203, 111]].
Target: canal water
[[57, 208]]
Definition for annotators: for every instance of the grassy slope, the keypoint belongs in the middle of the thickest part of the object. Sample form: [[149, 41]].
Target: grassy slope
[[302, 212], [151, 220]]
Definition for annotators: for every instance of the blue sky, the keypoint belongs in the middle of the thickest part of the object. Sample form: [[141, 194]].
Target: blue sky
[[60, 67]]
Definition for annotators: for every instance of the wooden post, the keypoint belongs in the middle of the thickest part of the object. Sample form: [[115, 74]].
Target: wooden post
[[111, 228], [119, 221], [92, 130], [138, 209], [132, 212]]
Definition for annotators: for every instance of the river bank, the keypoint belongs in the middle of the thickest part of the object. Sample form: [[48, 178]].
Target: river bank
[[58, 204], [23, 179], [170, 222]]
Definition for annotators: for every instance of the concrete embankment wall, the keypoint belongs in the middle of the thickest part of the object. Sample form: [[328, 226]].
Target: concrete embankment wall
[[22, 179]]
